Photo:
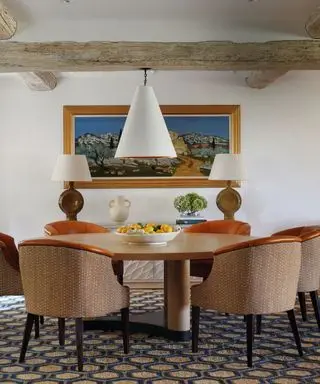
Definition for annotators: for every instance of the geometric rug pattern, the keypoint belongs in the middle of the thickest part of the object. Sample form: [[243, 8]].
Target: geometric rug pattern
[[221, 357]]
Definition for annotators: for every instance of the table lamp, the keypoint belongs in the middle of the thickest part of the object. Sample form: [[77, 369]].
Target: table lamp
[[229, 167], [71, 168]]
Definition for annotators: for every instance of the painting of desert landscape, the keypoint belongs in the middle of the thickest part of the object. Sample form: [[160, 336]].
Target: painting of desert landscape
[[196, 138]]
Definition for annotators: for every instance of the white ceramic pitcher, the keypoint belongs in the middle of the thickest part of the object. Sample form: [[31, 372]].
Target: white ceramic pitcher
[[119, 209]]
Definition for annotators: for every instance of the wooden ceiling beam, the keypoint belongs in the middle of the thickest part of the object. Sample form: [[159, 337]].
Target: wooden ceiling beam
[[104, 56], [312, 25], [261, 79], [39, 81]]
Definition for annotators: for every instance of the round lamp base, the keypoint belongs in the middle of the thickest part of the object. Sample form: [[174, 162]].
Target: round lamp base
[[71, 202], [229, 202]]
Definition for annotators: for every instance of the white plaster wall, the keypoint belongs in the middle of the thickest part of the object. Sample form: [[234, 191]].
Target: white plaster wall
[[280, 143]]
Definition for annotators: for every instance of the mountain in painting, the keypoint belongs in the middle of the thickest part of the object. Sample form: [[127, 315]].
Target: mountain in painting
[[195, 152]]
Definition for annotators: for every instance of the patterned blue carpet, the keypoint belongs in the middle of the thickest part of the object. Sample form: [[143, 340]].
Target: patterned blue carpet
[[221, 357]]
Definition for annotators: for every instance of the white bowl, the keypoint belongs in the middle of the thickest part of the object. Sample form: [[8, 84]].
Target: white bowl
[[142, 238]]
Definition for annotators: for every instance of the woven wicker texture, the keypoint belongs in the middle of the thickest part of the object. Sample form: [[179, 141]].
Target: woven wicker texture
[[10, 280], [64, 282], [310, 265], [254, 280]]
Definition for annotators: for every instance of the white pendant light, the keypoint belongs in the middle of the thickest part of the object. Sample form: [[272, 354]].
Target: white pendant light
[[145, 133]]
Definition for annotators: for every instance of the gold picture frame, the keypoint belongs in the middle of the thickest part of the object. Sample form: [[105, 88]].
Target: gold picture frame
[[230, 113]]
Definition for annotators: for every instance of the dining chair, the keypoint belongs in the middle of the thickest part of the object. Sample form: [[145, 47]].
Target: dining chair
[[309, 280], [66, 227], [10, 278], [251, 278], [202, 267], [65, 280]]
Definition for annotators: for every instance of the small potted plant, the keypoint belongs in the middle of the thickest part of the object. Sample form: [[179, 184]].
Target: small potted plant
[[190, 204]]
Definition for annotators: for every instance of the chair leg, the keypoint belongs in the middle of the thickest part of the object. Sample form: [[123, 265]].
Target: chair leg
[[195, 313], [61, 326], [36, 327], [125, 329], [258, 324], [249, 320], [79, 341], [295, 331], [303, 307], [41, 320], [120, 272], [26, 336], [120, 279], [315, 303]]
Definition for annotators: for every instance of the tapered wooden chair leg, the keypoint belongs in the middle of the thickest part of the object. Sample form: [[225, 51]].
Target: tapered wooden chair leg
[[195, 313], [295, 331], [120, 272], [41, 320], [79, 341], [26, 336], [258, 324], [315, 303], [303, 307], [36, 327], [125, 329], [249, 321], [61, 326]]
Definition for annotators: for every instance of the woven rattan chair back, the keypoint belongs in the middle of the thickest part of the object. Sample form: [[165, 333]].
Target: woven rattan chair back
[[310, 262], [66, 227], [309, 280], [62, 280], [66, 281], [251, 278], [257, 277]]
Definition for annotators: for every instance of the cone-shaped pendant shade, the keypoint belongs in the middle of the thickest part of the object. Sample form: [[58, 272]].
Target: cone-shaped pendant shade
[[145, 133]]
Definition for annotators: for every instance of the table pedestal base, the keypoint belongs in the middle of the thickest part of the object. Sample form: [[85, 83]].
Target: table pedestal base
[[152, 323]]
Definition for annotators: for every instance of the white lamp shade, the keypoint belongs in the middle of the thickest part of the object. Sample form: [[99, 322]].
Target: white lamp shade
[[145, 133], [71, 168], [227, 166]]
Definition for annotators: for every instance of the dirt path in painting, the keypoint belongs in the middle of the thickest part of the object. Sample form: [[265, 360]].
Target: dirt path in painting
[[189, 167]]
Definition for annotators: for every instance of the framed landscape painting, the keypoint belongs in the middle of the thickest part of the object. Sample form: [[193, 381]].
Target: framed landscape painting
[[198, 133]]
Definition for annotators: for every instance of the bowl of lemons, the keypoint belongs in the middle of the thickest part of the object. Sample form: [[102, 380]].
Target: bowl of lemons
[[147, 234]]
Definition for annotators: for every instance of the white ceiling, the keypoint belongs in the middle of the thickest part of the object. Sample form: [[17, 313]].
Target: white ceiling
[[274, 15]]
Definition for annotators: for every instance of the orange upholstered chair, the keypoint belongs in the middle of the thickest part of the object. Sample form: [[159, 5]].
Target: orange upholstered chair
[[202, 268], [309, 280], [10, 280], [67, 227], [10, 254]]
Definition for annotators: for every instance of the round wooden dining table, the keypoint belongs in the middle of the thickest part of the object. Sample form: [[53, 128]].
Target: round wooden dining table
[[174, 321]]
